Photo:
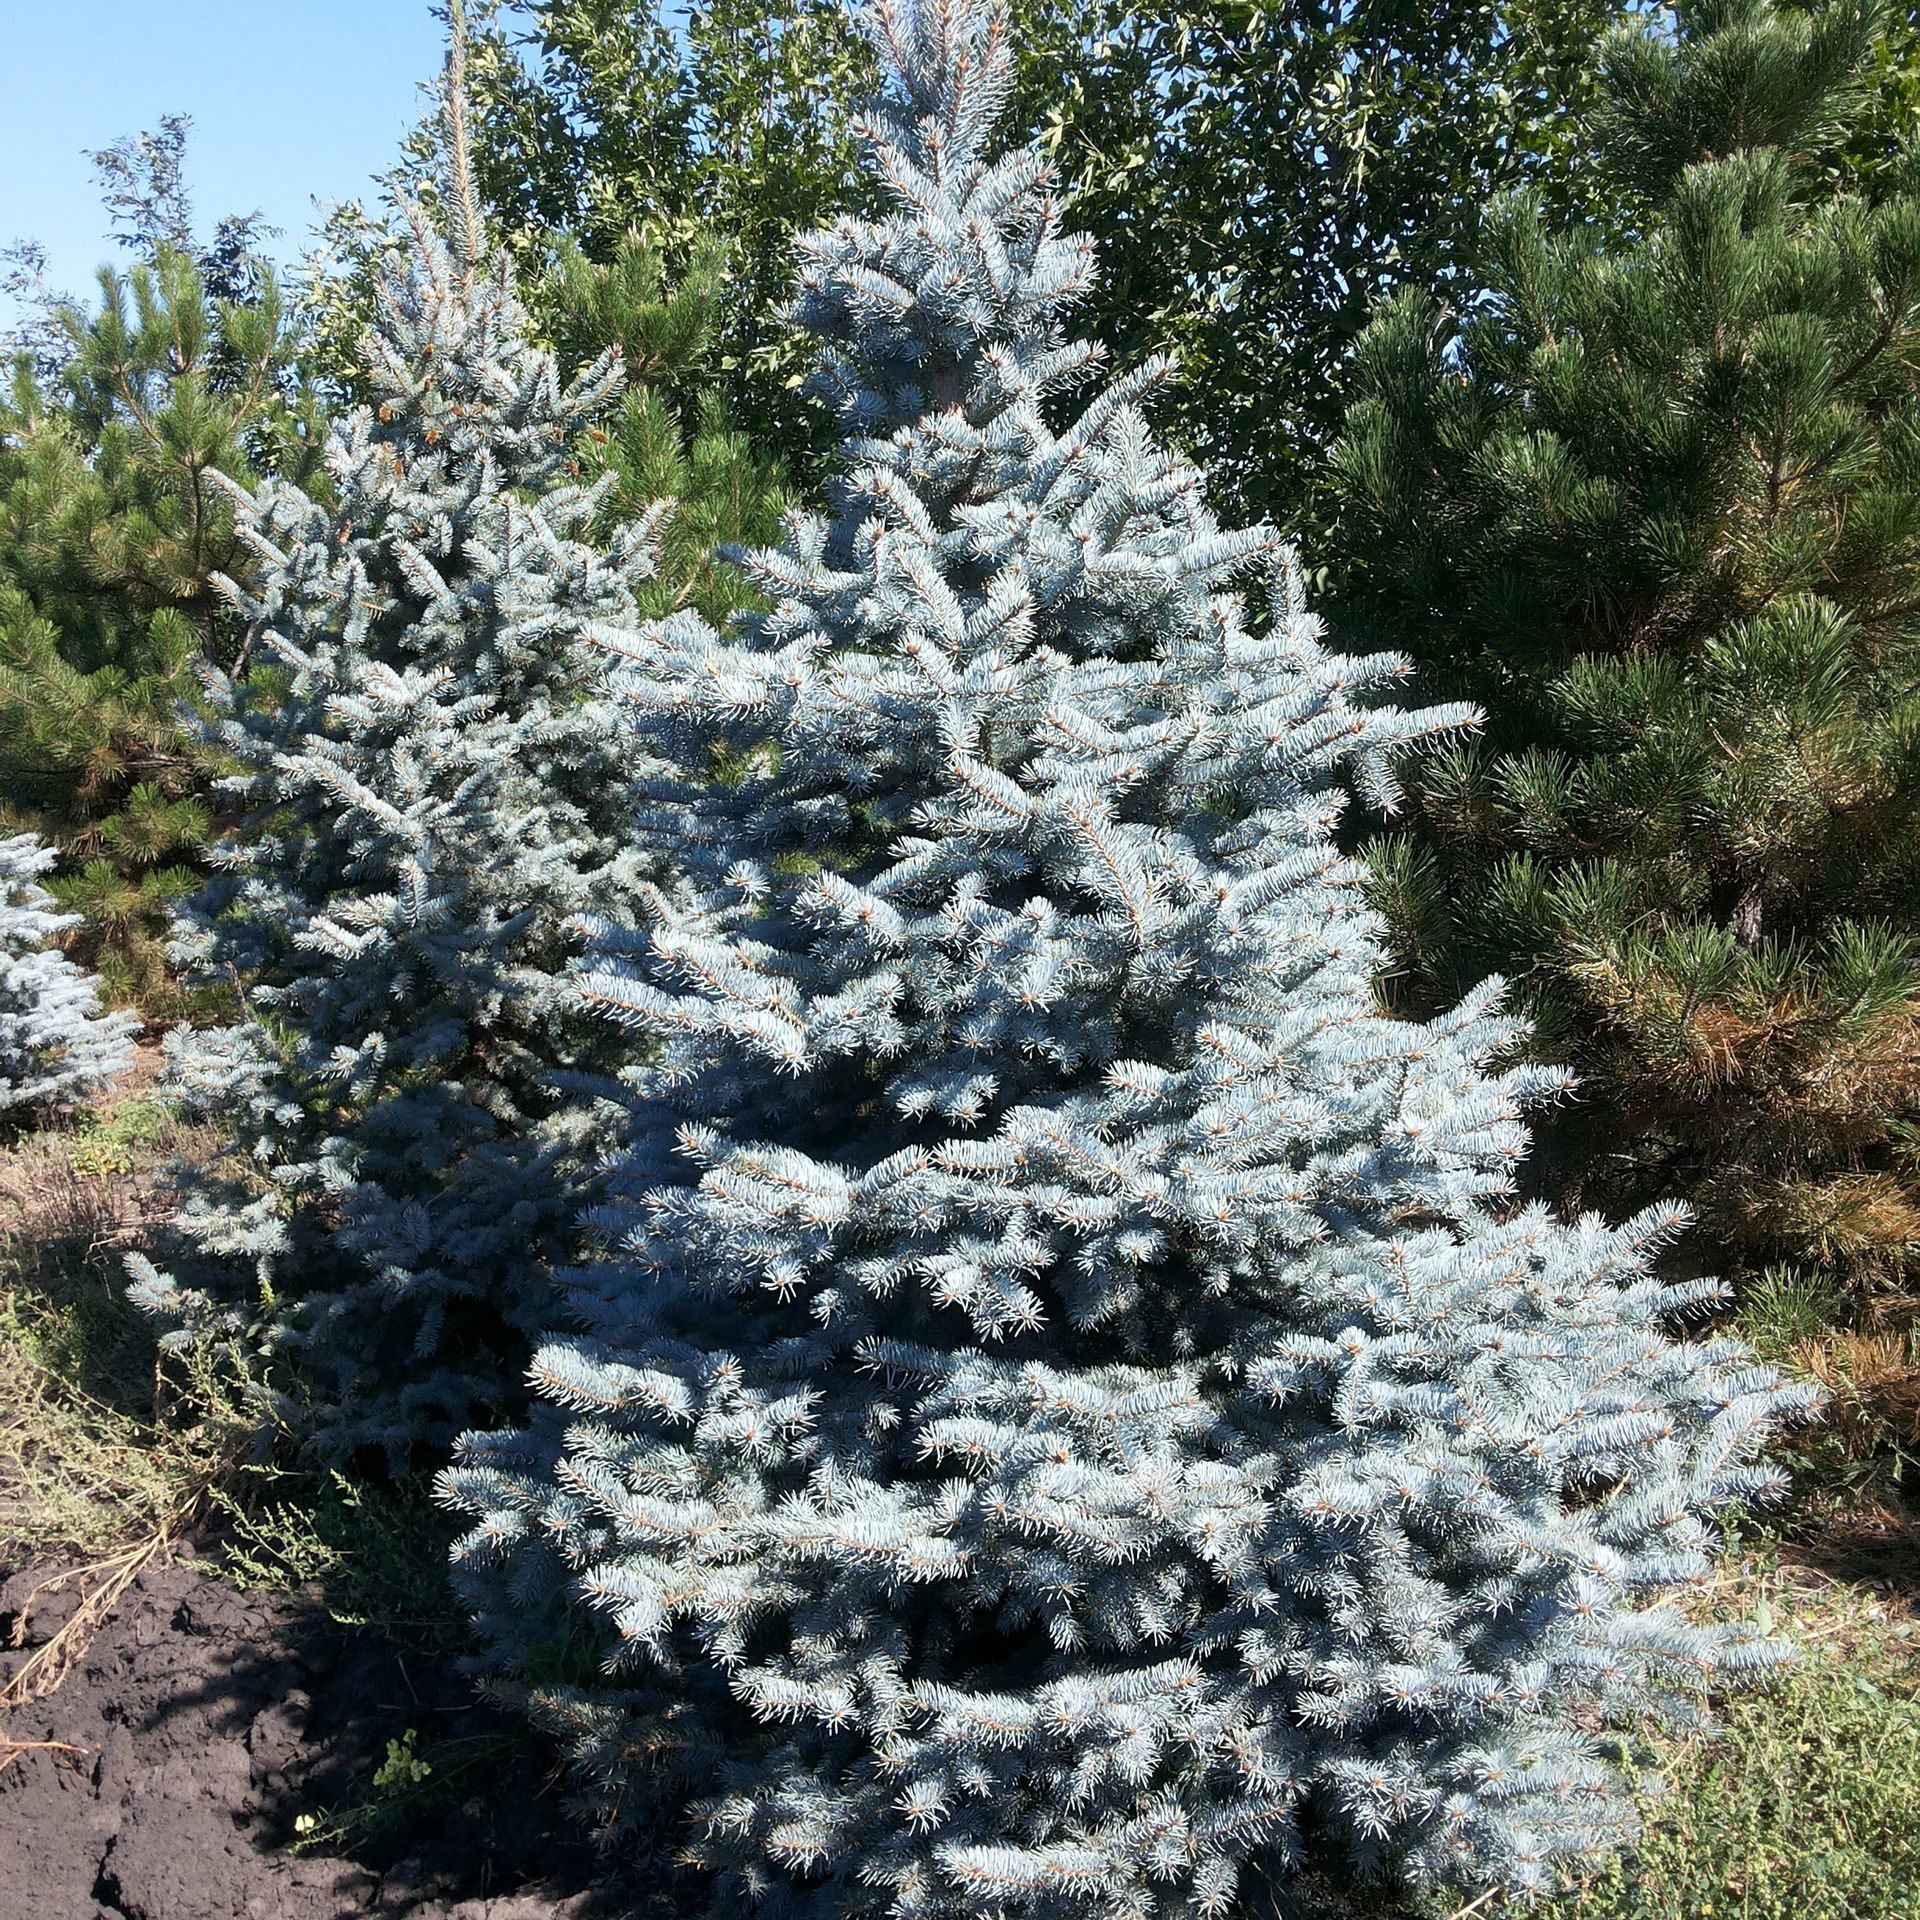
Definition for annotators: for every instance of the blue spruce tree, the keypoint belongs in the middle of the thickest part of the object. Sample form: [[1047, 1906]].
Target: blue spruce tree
[[56, 1045], [1072, 1413], [433, 792]]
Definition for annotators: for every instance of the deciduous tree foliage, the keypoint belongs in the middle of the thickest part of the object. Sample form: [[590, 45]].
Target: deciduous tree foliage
[[1258, 177], [1071, 1412]]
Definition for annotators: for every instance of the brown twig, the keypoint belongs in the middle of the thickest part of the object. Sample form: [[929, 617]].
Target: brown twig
[[50, 1664], [1475, 1905]]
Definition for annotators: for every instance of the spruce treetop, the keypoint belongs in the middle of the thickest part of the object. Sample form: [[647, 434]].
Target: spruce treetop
[[427, 619], [1071, 1411]]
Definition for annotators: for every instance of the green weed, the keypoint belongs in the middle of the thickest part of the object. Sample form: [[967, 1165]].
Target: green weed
[[408, 1786], [376, 1555]]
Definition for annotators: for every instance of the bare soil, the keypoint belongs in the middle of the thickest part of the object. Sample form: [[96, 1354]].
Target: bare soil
[[202, 1723]]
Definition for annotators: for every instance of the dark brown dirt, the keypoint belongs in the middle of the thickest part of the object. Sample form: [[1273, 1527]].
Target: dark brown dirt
[[208, 1721]]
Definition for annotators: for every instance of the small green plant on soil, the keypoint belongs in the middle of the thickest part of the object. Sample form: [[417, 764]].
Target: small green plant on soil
[[125, 1138], [402, 1768], [407, 1786]]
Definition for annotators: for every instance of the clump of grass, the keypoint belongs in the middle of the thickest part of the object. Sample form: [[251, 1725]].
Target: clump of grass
[[99, 1445], [78, 1475], [107, 1458], [377, 1555], [1807, 1804]]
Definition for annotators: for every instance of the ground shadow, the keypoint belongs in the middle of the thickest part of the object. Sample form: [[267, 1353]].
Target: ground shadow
[[218, 1752]]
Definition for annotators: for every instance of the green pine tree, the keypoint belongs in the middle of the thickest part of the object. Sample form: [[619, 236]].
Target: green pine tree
[[670, 436], [110, 531], [1656, 508]]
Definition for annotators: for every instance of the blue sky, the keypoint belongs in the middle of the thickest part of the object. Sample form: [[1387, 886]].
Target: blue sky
[[290, 100]]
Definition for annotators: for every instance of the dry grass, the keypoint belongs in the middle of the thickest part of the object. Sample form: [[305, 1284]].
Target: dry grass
[[106, 1455]]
